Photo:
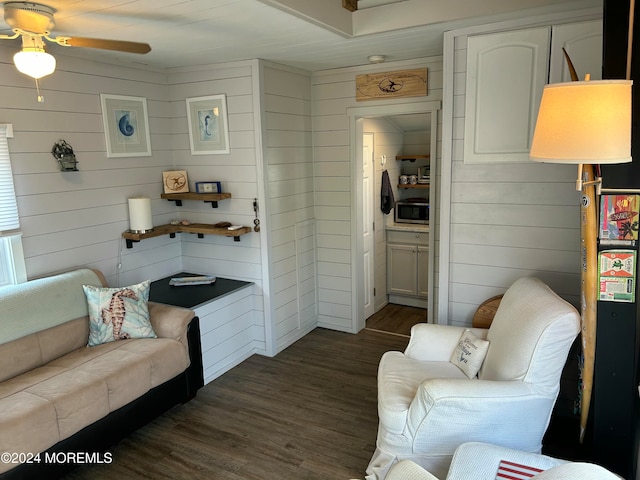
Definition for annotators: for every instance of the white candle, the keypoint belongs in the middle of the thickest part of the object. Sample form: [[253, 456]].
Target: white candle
[[140, 214]]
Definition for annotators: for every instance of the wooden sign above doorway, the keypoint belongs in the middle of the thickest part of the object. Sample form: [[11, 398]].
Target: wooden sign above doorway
[[401, 83]]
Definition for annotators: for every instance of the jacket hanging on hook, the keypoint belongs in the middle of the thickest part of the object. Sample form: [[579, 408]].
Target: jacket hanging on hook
[[386, 194]]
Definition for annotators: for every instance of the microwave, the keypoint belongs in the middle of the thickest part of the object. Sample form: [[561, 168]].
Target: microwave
[[411, 212]]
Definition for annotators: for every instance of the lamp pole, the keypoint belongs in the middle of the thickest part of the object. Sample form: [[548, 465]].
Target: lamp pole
[[589, 281]]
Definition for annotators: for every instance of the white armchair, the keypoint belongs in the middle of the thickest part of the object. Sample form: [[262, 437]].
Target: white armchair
[[480, 461], [427, 406]]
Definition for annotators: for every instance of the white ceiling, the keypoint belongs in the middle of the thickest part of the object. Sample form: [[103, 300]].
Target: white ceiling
[[308, 34]]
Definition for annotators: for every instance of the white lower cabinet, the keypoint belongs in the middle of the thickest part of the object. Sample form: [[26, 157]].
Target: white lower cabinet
[[407, 267]]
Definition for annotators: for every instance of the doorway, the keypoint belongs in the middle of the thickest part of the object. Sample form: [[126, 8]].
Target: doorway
[[363, 273]]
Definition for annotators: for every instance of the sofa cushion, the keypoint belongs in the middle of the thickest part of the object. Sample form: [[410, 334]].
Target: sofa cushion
[[28, 424], [118, 313], [79, 399], [52, 402], [39, 304]]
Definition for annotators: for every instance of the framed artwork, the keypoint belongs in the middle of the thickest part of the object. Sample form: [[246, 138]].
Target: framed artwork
[[208, 127], [175, 181], [208, 187], [126, 126]]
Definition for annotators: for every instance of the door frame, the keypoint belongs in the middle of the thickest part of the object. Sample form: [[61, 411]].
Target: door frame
[[371, 173], [356, 130]]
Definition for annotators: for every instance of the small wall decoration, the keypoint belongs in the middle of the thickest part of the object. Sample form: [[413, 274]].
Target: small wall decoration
[[208, 127], [402, 83], [208, 187], [63, 152], [175, 181], [126, 126]]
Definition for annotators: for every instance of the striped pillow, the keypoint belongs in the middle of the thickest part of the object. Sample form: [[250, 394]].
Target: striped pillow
[[515, 471]]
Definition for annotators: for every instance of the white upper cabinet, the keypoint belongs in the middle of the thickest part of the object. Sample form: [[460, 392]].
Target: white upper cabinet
[[506, 73], [583, 43]]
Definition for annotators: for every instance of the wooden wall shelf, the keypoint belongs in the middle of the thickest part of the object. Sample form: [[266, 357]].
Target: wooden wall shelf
[[212, 198], [415, 185], [201, 229], [412, 158]]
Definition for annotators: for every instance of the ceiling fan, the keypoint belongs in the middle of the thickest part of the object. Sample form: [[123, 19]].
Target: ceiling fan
[[34, 22]]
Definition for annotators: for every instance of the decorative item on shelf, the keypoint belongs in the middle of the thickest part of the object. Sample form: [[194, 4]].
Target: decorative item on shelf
[[140, 220], [404, 179], [208, 187], [184, 223], [63, 152], [424, 174], [175, 181]]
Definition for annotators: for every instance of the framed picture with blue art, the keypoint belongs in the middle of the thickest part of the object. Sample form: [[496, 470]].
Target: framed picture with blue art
[[126, 126], [208, 127]]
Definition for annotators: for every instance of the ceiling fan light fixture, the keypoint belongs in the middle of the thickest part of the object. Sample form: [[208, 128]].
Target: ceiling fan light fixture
[[36, 64], [32, 60]]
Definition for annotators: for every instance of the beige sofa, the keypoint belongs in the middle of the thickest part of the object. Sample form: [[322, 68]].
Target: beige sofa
[[59, 395]]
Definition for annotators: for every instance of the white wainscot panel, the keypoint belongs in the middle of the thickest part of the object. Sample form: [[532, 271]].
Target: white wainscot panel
[[227, 333]]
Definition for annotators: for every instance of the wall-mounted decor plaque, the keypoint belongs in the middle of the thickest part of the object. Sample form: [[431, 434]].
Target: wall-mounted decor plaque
[[402, 83]]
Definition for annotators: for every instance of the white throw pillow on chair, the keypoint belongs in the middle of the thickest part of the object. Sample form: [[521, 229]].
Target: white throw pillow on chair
[[469, 354]]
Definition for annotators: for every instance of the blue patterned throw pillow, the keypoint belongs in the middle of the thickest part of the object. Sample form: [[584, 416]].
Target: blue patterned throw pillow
[[118, 313]]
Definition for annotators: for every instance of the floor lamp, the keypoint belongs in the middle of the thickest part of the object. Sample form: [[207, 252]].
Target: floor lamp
[[585, 123]]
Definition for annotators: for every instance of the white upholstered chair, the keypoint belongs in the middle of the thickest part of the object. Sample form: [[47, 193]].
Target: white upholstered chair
[[427, 406], [480, 461]]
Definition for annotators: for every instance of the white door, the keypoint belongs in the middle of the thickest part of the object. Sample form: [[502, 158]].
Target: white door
[[368, 182]]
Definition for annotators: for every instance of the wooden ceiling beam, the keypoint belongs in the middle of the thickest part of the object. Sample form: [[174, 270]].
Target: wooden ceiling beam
[[351, 5]]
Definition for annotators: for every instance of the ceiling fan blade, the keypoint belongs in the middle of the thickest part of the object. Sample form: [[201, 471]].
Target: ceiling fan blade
[[119, 45]]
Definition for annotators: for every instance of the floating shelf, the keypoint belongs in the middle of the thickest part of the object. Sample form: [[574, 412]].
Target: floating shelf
[[201, 229], [415, 185], [212, 198], [412, 158]]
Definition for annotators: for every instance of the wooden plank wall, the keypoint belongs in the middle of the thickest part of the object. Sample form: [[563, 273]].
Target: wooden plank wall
[[233, 330], [507, 220], [228, 331], [77, 218], [290, 202], [333, 92]]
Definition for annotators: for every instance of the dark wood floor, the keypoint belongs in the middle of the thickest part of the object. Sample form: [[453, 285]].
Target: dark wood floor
[[396, 319], [309, 413]]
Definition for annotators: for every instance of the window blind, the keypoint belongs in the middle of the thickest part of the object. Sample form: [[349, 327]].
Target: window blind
[[8, 206]]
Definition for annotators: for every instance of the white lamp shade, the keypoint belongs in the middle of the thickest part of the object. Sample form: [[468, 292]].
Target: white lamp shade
[[584, 122], [34, 62], [140, 219]]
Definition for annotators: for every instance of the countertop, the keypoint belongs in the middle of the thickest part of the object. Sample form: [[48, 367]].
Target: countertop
[[408, 227], [192, 296]]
